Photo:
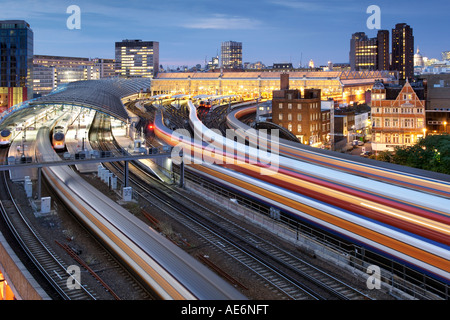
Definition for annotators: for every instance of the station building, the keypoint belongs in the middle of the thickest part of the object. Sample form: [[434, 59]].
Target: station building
[[344, 87]]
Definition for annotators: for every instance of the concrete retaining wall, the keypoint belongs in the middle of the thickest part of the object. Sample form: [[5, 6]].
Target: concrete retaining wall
[[19, 279]]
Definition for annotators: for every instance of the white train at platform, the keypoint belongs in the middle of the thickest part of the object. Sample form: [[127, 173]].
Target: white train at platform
[[5, 137], [59, 131]]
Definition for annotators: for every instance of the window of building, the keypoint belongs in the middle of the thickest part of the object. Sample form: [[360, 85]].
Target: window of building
[[420, 123], [289, 105], [377, 137], [408, 123], [407, 138], [289, 116], [377, 122], [280, 116], [280, 106], [395, 122], [299, 128], [299, 106], [407, 96], [387, 122], [395, 138], [299, 117], [290, 127]]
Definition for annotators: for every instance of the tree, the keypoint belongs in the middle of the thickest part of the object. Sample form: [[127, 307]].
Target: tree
[[385, 156], [430, 153]]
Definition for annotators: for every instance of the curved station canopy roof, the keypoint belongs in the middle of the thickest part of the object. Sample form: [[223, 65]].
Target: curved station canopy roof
[[103, 95]]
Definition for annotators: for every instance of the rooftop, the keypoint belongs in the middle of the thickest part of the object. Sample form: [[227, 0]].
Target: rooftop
[[103, 95]]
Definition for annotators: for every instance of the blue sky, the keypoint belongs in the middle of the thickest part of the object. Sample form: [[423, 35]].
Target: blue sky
[[190, 31]]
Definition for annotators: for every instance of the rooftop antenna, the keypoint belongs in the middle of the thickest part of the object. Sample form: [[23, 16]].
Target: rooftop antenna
[[301, 57]]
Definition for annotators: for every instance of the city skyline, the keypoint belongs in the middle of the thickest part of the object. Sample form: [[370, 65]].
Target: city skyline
[[191, 32]]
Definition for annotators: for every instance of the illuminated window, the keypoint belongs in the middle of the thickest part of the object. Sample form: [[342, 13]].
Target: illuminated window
[[420, 123]]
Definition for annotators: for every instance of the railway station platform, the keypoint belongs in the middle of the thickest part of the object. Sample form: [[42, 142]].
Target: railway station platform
[[128, 144], [77, 140], [22, 149]]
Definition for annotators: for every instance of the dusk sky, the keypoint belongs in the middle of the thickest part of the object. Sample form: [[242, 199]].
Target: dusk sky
[[190, 31]]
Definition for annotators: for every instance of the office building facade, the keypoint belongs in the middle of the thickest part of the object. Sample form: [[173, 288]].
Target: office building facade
[[49, 72], [231, 55], [403, 51], [137, 59], [16, 62], [369, 53], [107, 67]]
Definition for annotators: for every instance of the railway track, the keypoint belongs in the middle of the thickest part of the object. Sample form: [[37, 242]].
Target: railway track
[[41, 254], [293, 277]]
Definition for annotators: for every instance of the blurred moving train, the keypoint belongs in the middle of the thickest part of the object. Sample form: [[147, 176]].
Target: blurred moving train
[[164, 267], [408, 177], [377, 227]]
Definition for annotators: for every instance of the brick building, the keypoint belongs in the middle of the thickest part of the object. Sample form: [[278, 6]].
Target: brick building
[[437, 96], [398, 115], [300, 114]]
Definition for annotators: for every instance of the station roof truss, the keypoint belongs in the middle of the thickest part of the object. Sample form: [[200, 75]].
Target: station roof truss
[[104, 95]]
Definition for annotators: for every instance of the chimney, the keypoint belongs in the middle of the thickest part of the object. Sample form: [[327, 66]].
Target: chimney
[[284, 81]]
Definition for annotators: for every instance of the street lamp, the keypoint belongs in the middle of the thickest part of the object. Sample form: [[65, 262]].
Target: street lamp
[[424, 132]]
